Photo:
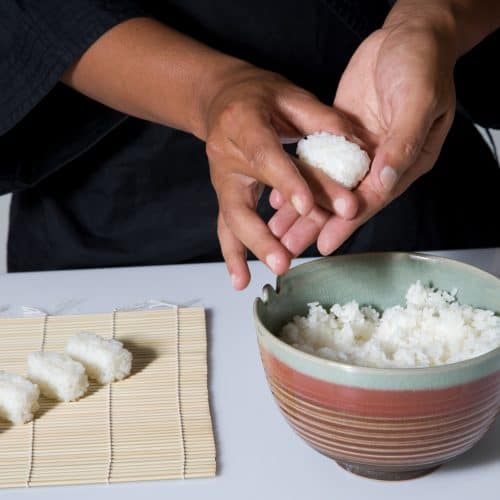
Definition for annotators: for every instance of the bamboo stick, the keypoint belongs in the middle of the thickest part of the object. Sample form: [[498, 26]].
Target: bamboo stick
[[159, 426]]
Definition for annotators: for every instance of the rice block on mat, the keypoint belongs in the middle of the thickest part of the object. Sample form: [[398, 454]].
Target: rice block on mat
[[342, 160], [18, 398], [105, 360], [58, 376]]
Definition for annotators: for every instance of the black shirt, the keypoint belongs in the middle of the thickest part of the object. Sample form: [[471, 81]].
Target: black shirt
[[95, 188]]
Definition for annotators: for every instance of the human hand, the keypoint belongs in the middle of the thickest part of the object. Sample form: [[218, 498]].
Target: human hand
[[249, 116], [398, 88], [146, 69]]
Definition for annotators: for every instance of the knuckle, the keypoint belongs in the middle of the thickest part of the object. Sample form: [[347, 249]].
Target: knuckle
[[229, 217], [318, 217], [410, 148], [213, 147], [382, 199], [298, 93], [430, 97], [229, 113], [258, 158], [230, 117]]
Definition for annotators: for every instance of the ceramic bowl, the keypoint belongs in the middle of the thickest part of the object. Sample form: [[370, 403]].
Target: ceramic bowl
[[381, 423]]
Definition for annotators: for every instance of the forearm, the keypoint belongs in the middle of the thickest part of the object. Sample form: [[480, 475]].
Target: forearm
[[148, 70], [464, 22]]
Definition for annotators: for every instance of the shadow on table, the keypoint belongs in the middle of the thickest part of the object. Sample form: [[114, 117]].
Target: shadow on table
[[485, 452], [211, 361], [142, 356], [5, 426], [46, 405]]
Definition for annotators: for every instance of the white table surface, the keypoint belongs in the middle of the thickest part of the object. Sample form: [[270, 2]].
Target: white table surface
[[259, 456]]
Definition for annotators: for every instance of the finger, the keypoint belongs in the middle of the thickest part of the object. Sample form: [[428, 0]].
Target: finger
[[329, 194], [409, 126], [429, 153], [276, 199], [283, 219], [269, 163], [234, 254], [238, 210], [337, 230], [310, 115], [305, 231]]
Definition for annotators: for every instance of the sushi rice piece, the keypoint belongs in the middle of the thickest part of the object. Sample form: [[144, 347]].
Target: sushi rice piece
[[18, 398], [105, 360], [342, 160], [58, 376]]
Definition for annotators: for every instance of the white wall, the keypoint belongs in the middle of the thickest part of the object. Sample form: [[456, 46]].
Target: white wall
[[4, 215]]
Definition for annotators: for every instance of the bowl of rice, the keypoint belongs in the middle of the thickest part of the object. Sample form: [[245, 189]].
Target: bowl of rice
[[389, 363]]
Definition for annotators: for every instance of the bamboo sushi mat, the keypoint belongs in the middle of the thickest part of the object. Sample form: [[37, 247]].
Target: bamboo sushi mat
[[155, 424]]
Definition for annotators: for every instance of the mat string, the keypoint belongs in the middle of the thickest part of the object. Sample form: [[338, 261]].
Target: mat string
[[110, 406], [179, 403], [32, 439], [150, 304]]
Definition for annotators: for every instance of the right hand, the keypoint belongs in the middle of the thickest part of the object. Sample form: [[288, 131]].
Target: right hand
[[148, 70], [247, 118]]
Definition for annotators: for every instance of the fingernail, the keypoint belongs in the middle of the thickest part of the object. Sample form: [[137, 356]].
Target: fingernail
[[285, 241], [272, 261], [340, 206], [388, 178], [298, 204], [234, 280]]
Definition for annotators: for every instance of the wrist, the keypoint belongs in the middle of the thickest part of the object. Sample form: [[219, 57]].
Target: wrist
[[437, 19], [460, 23], [218, 75]]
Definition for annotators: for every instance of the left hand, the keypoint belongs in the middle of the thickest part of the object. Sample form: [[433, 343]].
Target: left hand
[[398, 87]]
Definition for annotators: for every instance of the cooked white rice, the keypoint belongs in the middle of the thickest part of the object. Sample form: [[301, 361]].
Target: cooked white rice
[[18, 398], [105, 360], [58, 376], [433, 329], [342, 160]]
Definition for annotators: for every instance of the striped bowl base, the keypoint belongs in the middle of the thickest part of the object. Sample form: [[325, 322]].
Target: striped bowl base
[[384, 475], [381, 434]]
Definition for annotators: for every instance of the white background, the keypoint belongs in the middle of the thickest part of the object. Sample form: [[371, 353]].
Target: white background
[[259, 457], [4, 214]]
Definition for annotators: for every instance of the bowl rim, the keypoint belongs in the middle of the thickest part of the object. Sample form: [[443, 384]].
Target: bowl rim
[[371, 370]]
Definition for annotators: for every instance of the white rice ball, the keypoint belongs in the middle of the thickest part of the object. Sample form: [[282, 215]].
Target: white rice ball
[[105, 360], [18, 398], [342, 160], [58, 376]]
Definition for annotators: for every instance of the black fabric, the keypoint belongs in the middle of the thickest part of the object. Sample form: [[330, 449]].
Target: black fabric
[[39, 40], [60, 128], [96, 188], [478, 81]]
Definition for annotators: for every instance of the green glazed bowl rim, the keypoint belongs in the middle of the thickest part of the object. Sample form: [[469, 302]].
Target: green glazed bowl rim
[[368, 370]]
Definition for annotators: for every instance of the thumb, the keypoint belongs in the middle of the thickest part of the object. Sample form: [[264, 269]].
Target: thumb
[[309, 115], [401, 146]]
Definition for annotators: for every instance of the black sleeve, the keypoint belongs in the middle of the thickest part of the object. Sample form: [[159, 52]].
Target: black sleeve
[[40, 39], [478, 82], [44, 125]]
